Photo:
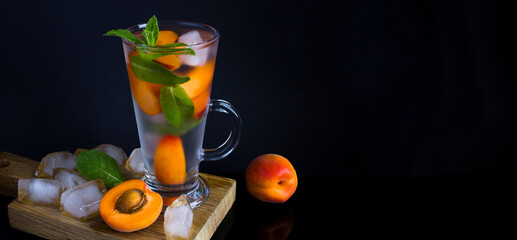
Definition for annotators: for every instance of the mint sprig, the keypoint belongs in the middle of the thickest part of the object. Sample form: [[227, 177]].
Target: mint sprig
[[175, 103], [150, 33]]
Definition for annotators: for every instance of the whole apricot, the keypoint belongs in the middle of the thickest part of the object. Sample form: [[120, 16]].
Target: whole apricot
[[271, 178]]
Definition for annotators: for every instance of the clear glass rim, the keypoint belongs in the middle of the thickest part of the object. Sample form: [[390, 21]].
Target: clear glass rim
[[170, 23]]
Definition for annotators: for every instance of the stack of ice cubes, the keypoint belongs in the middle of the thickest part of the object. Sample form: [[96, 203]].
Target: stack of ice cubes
[[59, 184]]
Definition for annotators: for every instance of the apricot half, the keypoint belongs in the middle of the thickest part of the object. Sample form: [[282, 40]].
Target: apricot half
[[130, 206], [271, 178]]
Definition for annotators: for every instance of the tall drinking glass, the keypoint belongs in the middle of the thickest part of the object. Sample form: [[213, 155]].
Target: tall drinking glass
[[172, 141]]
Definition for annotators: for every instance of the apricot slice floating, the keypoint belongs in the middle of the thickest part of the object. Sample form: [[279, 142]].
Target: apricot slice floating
[[130, 206], [166, 37], [146, 95], [199, 86], [169, 161], [169, 61]]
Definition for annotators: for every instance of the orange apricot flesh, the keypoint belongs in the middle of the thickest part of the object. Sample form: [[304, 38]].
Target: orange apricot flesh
[[131, 221], [146, 95], [169, 61], [199, 86], [166, 37], [169, 161]]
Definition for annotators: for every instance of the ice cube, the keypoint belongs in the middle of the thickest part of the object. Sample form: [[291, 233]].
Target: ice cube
[[135, 162], [39, 191], [193, 37], [82, 201], [178, 219], [113, 151], [134, 165], [54, 160], [69, 178]]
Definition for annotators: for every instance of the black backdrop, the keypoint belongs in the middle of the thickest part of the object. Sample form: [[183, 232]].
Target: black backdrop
[[341, 88]]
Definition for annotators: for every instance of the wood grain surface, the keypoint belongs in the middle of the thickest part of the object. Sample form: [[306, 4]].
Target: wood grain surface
[[49, 223]]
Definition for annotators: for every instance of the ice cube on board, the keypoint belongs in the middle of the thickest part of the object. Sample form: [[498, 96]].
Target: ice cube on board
[[82, 201], [69, 178], [113, 151], [51, 161], [178, 219], [193, 37], [135, 162], [39, 191]]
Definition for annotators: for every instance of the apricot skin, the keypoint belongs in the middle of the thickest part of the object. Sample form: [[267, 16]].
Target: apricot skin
[[271, 178]]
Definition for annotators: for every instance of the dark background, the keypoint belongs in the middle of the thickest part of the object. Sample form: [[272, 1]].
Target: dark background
[[341, 88]]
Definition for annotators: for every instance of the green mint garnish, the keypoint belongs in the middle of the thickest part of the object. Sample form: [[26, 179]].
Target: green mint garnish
[[153, 72], [123, 33], [150, 33], [95, 164], [179, 51], [175, 103], [167, 50]]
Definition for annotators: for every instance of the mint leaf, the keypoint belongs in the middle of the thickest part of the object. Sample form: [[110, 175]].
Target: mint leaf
[[164, 50], [150, 33], [150, 55], [179, 51], [95, 164], [176, 105], [152, 72], [123, 33]]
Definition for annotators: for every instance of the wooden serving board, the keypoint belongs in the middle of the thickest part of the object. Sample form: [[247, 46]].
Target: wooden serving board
[[49, 223]]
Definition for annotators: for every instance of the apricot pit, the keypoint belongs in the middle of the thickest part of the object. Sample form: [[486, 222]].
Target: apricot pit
[[131, 201]]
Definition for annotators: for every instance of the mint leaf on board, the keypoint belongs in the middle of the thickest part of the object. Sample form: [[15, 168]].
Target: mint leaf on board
[[150, 33], [95, 164], [126, 34], [152, 72], [176, 105]]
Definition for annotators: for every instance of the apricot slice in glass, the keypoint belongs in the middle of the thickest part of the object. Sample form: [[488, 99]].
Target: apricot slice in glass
[[146, 95], [169, 161], [169, 61], [166, 37], [199, 86], [130, 206]]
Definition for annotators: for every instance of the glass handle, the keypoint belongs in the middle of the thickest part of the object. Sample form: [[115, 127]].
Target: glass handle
[[218, 105]]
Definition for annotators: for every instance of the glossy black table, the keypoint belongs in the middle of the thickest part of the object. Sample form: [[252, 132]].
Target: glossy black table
[[339, 208]]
